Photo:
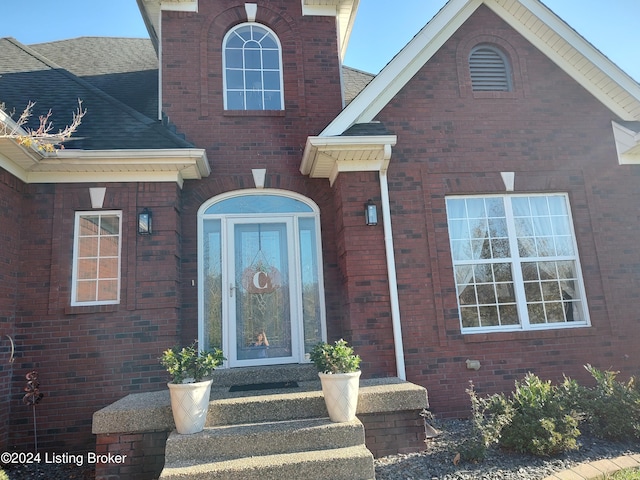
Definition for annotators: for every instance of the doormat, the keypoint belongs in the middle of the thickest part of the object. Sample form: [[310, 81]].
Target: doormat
[[263, 386]]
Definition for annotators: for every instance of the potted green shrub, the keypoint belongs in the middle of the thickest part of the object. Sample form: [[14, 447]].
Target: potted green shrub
[[339, 371], [189, 388]]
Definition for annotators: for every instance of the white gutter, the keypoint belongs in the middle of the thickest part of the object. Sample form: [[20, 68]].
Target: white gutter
[[393, 280]]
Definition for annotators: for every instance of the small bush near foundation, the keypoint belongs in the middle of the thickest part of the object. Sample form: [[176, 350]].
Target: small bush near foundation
[[489, 416], [542, 422], [611, 408], [535, 419]]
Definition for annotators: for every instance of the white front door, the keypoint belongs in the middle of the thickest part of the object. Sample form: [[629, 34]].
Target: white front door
[[262, 292], [260, 295]]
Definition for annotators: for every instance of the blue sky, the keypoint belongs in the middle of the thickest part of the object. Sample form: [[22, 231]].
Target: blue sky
[[382, 27]]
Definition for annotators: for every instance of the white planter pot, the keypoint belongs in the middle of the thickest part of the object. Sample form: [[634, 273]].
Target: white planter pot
[[189, 404], [340, 392]]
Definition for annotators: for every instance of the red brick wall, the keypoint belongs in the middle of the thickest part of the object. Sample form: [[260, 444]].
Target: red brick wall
[[88, 357], [144, 455], [390, 433], [556, 138], [364, 282], [10, 208], [237, 142]]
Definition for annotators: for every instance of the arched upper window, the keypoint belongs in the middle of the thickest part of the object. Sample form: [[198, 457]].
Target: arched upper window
[[489, 68], [252, 69]]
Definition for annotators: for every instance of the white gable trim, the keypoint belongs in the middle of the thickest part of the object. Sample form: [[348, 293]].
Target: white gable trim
[[554, 38], [403, 67], [573, 54], [627, 144]]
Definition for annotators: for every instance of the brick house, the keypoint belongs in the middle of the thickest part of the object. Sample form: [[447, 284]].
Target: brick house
[[499, 150]]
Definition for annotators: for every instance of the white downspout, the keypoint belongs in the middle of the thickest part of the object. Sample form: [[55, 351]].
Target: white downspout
[[391, 271], [160, 64]]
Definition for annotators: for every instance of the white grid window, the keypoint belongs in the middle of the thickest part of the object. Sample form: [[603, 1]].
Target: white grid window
[[515, 262], [96, 258], [252, 69]]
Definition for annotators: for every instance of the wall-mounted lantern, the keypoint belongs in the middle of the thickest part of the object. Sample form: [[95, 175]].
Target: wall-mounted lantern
[[371, 213], [145, 222]]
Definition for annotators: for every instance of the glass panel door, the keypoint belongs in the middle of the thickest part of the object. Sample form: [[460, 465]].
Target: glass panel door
[[261, 293]]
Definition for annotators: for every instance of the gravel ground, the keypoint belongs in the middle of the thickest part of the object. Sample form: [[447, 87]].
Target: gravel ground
[[436, 462], [50, 472]]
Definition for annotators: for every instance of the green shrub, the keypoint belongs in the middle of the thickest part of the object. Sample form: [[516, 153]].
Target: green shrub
[[611, 408], [187, 364], [489, 416], [338, 357], [542, 424], [3, 475]]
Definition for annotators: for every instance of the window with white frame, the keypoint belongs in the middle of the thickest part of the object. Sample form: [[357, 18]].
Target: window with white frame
[[252, 65], [489, 69], [515, 263], [96, 258]]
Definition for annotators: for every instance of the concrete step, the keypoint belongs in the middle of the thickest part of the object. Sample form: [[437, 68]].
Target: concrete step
[[305, 401], [228, 377], [239, 441], [350, 463]]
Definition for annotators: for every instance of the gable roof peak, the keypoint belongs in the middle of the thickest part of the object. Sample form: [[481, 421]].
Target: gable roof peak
[[536, 23]]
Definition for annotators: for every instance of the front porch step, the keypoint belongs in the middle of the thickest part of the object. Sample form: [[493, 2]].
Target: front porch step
[[271, 434], [228, 377], [349, 463], [324, 452], [250, 440], [305, 401]]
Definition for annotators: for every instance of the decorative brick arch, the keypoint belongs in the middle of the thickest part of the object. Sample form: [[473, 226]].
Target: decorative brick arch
[[516, 64]]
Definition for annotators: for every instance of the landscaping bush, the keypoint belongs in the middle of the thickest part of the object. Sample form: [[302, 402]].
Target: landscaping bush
[[612, 408], [536, 419], [543, 419], [3, 475], [488, 418], [542, 424]]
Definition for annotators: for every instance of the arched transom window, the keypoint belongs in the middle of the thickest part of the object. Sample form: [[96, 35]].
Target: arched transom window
[[252, 69], [489, 69]]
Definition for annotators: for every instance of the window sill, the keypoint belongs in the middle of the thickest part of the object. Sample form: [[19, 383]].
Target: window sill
[[85, 309], [577, 331], [495, 94], [253, 113]]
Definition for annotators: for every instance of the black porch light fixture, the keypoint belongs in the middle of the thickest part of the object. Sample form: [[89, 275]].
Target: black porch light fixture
[[145, 222], [371, 213]]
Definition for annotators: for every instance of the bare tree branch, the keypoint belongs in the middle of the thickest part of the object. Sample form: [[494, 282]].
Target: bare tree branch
[[41, 138]]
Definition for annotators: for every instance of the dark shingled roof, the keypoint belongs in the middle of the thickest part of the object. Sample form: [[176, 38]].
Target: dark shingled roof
[[110, 122], [125, 68], [117, 80], [366, 129]]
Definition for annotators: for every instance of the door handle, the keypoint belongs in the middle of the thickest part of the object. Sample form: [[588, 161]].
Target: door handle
[[232, 287]]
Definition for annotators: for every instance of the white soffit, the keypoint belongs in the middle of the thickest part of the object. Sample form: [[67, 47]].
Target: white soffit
[[179, 5], [573, 54], [151, 9], [326, 157], [545, 30], [79, 166]]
